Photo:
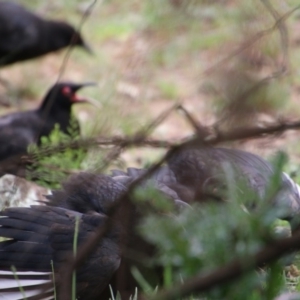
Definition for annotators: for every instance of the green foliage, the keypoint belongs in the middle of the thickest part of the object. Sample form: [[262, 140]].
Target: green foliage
[[14, 270], [50, 170], [168, 90], [75, 248], [210, 235], [53, 280]]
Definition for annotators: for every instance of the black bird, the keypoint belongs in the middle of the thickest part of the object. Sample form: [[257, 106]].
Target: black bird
[[189, 176], [19, 130], [25, 35], [43, 235]]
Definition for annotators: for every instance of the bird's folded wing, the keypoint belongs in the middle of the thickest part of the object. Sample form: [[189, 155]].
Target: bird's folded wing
[[38, 241]]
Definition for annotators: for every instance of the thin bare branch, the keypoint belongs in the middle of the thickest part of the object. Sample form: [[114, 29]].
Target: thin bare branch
[[249, 43], [214, 136], [284, 36], [196, 125], [85, 16]]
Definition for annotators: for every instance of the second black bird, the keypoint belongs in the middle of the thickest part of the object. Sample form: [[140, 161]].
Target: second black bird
[[41, 239], [19, 130]]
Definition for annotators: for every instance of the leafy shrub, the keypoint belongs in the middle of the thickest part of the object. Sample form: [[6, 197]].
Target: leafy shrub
[[50, 170], [211, 235]]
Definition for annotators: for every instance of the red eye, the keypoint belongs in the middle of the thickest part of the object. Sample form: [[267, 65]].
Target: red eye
[[66, 91]]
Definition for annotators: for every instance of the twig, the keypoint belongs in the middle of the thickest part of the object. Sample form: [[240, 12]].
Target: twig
[[193, 122], [85, 16], [280, 24], [214, 136], [138, 138], [252, 41]]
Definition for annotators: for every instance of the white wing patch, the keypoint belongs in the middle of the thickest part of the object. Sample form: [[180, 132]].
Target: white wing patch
[[32, 283]]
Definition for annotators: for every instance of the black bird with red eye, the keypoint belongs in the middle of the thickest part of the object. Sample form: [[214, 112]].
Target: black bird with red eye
[[18, 130]]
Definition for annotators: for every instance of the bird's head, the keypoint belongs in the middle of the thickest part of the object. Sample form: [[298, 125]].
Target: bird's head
[[63, 35], [63, 95]]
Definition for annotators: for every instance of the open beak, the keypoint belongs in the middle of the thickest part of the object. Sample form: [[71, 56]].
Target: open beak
[[82, 99]]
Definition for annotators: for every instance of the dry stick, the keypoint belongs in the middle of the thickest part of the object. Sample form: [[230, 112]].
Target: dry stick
[[193, 122], [134, 141], [252, 41], [84, 143], [217, 137], [245, 133], [162, 117], [86, 14], [232, 270], [138, 137], [280, 23], [202, 131]]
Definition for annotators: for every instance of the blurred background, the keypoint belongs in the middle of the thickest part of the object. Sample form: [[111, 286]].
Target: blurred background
[[149, 55]]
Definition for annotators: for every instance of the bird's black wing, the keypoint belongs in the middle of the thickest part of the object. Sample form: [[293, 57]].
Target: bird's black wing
[[41, 235], [87, 192]]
